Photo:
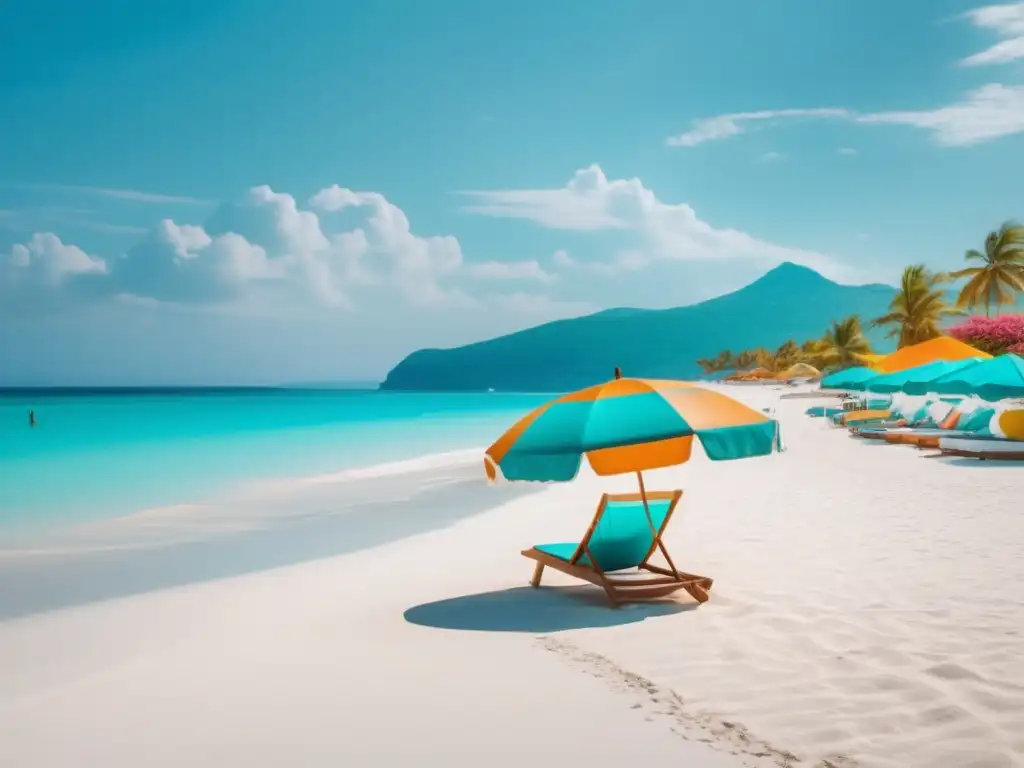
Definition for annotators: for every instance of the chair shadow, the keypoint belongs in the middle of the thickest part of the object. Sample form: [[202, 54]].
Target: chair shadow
[[964, 461], [538, 611]]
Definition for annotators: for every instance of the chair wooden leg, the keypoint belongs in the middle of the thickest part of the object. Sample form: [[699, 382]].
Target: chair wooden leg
[[697, 592], [537, 573], [613, 599]]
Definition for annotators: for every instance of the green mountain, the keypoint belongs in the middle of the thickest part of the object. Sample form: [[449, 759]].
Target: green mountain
[[789, 302]]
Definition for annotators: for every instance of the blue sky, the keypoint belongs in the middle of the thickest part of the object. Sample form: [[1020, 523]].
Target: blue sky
[[235, 191]]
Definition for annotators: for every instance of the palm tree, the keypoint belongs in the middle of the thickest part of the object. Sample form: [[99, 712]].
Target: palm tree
[[706, 364], [787, 354], [918, 308], [1000, 274], [709, 364], [723, 361], [814, 352], [777, 361], [745, 360], [842, 343]]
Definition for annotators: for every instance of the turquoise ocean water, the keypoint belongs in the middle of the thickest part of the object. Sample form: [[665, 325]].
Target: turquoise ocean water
[[97, 454]]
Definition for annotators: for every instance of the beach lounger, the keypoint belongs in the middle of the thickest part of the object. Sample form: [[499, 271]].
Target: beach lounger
[[615, 551], [903, 434], [876, 427], [852, 418], [907, 427], [879, 429], [972, 424], [926, 438], [912, 436], [982, 448], [902, 431], [819, 411]]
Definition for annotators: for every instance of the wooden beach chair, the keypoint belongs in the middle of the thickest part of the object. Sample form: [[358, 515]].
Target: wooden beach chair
[[955, 425], [615, 551], [922, 439], [995, 448], [865, 418]]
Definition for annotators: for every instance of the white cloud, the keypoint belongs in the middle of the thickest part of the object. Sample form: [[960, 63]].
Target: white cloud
[[983, 114], [728, 125], [131, 195], [184, 264], [663, 231], [385, 243], [846, 151], [1007, 21], [64, 217], [986, 113], [770, 157], [623, 261], [112, 229], [184, 240], [45, 259], [265, 243], [335, 198], [629, 261], [299, 253], [562, 259], [582, 205], [266, 247], [130, 299], [540, 305], [511, 270]]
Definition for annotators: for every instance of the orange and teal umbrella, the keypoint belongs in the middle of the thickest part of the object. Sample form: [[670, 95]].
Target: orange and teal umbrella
[[629, 425]]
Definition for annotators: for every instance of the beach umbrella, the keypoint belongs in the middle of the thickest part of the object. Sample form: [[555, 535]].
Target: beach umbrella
[[926, 384], [869, 359], [939, 348], [995, 379], [850, 378], [799, 370], [919, 375], [628, 426]]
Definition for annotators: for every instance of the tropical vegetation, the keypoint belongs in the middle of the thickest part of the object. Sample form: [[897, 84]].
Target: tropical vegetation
[[920, 310], [841, 345], [919, 306], [995, 335], [998, 275]]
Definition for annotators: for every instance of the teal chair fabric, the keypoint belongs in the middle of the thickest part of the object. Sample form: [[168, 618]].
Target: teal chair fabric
[[622, 537], [976, 421]]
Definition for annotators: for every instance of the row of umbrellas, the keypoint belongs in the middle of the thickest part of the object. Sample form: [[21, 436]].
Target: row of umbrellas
[[944, 348], [990, 378]]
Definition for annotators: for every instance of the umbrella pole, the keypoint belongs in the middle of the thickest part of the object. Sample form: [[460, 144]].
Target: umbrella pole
[[654, 531]]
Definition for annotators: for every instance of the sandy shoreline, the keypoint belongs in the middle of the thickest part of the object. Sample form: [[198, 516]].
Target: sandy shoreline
[[866, 611]]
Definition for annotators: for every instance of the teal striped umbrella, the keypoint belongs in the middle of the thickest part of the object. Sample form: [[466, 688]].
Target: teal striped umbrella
[[851, 378], [995, 379], [918, 380], [629, 425]]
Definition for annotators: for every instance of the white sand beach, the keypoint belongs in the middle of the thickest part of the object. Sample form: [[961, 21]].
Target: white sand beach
[[866, 611]]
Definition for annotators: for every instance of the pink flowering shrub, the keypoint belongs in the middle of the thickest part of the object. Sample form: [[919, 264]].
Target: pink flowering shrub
[[995, 335]]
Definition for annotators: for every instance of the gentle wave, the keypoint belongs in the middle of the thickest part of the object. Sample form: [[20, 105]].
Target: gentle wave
[[256, 505], [99, 457]]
